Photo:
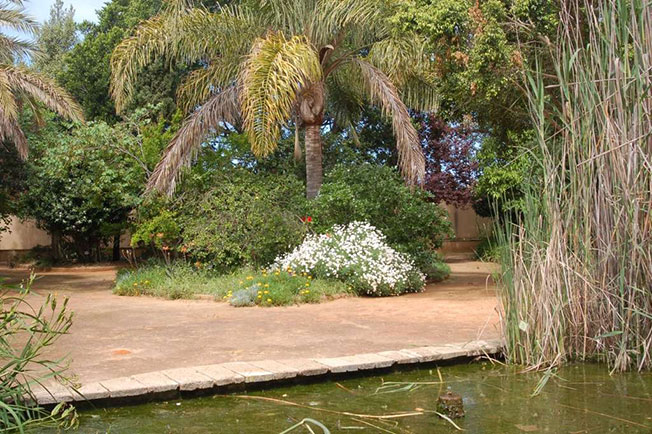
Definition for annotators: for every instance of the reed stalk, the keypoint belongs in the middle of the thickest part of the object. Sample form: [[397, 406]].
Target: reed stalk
[[577, 264]]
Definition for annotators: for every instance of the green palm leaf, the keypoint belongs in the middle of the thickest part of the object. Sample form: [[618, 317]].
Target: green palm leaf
[[274, 73]]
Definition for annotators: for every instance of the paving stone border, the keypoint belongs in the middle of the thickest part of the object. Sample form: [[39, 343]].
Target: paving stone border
[[263, 372]]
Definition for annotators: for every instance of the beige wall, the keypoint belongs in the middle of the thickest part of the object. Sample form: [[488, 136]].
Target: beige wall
[[467, 224], [23, 235]]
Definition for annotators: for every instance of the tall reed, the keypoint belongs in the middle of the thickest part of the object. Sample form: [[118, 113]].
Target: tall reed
[[577, 267], [25, 333]]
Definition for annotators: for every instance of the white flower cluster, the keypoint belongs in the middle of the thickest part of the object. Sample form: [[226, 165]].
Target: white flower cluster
[[356, 253]]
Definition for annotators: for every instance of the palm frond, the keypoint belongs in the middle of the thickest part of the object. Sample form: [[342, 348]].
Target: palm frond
[[399, 57], [44, 90], [202, 35], [12, 47], [151, 40], [220, 108], [16, 19], [332, 17], [383, 92], [7, 97], [420, 93], [202, 83], [10, 131], [292, 16], [345, 95], [273, 75], [185, 35], [407, 63]]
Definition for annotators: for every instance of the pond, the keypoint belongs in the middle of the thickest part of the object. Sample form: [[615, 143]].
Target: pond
[[581, 398]]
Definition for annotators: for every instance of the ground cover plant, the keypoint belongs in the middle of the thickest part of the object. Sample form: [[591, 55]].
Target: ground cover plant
[[243, 287], [358, 255]]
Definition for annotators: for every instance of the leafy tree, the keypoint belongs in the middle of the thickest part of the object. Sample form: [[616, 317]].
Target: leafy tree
[[481, 48], [451, 166], [55, 38], [81, 185], [20, 86], [504, 170], [86, 73], [274, 61]]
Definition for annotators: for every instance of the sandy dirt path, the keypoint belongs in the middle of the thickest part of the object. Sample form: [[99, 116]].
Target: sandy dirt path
[[115, 336]]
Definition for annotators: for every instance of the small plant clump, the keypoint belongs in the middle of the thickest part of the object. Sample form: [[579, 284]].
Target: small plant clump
[[282, 287], [244, 287], [358, 255]]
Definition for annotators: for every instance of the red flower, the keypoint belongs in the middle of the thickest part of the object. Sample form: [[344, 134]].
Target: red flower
[[306, 219]]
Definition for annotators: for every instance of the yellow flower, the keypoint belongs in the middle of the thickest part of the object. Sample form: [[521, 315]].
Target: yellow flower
[[277, 273], [309, 277], [260, 296], [265, 292], [307, 284], [269, 300], [241, 282], [250, 277], [267, 285], [259, 292], [307, 291]]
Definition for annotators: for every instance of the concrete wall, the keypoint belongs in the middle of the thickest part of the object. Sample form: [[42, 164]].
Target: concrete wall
[[468, 226], [469, 229], [23, 235]]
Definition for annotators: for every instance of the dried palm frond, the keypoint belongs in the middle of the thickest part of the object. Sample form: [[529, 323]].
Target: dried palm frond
[[384, 93], [43, 89], [11, 132], [220, 108]]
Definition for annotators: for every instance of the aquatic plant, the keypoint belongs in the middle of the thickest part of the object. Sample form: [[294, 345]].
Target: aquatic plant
[[25, 332], [577, 270]]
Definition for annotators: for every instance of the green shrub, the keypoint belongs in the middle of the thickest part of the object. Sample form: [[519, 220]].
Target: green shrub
[[412, 223], [229, 219], [244, 287], [160, 231]]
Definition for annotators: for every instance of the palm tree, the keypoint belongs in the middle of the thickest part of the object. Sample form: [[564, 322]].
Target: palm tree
[[21, 86], [270, 63]]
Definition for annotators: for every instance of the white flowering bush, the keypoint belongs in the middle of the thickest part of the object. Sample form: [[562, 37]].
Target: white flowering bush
[[358, 254]]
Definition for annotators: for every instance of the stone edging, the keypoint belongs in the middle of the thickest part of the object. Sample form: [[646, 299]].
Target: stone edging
[[208, 377]]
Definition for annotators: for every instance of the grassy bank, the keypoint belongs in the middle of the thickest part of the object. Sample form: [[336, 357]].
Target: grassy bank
[[244, 287]]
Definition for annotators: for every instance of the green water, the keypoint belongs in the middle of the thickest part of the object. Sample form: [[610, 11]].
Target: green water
[[580, 399]]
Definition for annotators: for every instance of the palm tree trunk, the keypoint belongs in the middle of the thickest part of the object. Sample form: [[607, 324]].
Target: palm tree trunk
[[313, 160]]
